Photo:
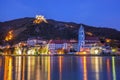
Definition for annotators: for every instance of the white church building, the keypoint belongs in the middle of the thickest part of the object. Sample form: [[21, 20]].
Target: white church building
[[85, 42]]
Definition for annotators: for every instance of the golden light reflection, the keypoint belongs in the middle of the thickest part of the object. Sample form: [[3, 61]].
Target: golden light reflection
[[31, 67], [85, 68], [49, 71], [18, 62], [100, 63], [113, 68], [8, 68], [46, 65], [38, 68], [23, 69], [60, 67], [96, 66], [108, 69], [19, 69]]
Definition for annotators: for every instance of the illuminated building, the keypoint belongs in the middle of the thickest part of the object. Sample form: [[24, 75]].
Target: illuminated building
[[81, 38], [39, 19], [86, 40], [59, 44], [35, 41]]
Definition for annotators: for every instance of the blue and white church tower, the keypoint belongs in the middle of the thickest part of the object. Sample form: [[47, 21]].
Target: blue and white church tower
[[81, 38]]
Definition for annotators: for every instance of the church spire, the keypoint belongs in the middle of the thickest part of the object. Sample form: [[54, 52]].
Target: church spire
[[81, 37]]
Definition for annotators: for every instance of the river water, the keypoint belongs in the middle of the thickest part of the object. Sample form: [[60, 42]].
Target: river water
[[59, 68]]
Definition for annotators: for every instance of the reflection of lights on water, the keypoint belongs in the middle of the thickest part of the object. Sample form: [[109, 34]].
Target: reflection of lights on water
[[108, 69], [8, 68], [97, 68], [30, 67], [60, 67], [113, 68], [23, 68], [85, 68], [18, 68], [49, 68], [37, 76]]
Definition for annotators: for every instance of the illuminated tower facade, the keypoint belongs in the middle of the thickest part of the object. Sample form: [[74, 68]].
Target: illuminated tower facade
[[81, 38]]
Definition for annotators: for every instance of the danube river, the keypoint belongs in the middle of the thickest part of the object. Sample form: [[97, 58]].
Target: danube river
[[59, 68]]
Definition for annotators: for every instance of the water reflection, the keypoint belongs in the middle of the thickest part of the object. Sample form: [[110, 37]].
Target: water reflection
[[59, 68], [8, 68], [108, 69], [85, 68], [113, 68]]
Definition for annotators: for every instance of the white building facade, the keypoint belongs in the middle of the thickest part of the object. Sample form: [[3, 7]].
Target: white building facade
[[85, 42]]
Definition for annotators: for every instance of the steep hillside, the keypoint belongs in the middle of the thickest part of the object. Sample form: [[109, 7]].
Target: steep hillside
[[24, 28]]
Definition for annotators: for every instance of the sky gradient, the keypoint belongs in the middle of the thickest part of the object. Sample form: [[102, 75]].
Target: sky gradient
[[100, 13]]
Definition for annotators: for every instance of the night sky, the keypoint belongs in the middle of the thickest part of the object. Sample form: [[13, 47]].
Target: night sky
[[101, 13]]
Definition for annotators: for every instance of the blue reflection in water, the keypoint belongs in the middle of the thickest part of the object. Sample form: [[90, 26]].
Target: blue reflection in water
[[59, 68]]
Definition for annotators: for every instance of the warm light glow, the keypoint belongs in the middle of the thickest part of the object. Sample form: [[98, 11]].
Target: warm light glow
[[30, 67], [85, 68], [9, 36], [114, 50], [108, 69], [31, 52], [95, 50], [89, 33], [49, 71], [108, 40], [97, 67], [60, 51], [60, 67], [39, 19], [82, 52], [8, 68], [18, 51], [18, 63]]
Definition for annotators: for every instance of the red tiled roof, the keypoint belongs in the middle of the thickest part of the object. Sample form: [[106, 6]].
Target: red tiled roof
[[91, 38]]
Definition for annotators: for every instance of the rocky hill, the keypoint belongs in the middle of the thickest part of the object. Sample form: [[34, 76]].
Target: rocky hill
[[24, 28]]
